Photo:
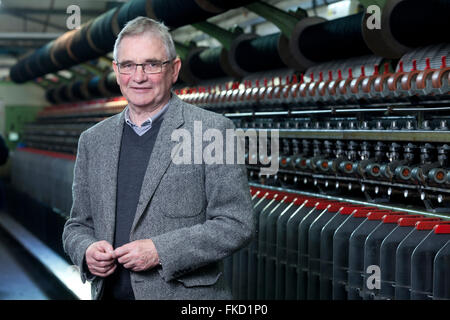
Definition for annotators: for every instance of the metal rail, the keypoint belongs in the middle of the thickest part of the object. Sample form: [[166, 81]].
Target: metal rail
[[371, 204]]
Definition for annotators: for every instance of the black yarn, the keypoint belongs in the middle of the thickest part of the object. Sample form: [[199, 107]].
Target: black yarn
[[259, 54], [177, 13], [131, 10], [101, 31], [93, 87], [111, 83], [416, 23], [230, 4], [44, 59], [15, 75], [335, 39], [49, 95], [61, 93], [80, 46], [174, 13], [206, 64], [75, 90], [60, 52]]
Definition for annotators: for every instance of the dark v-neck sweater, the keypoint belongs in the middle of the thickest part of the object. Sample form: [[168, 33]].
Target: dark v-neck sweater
[[134, 157]]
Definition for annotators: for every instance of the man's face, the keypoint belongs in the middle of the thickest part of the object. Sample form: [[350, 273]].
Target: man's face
[[143, 90]]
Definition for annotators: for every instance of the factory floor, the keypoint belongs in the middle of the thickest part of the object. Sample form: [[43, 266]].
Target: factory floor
[[29, 270], [19, 280]]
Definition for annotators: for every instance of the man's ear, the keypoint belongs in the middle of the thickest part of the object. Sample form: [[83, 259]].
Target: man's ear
[[116, 71], [176, 69]]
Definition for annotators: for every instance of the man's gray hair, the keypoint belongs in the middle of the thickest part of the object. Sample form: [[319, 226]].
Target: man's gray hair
[[141, 25]]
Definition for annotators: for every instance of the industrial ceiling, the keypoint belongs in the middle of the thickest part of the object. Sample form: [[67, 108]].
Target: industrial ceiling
[[26, 25]]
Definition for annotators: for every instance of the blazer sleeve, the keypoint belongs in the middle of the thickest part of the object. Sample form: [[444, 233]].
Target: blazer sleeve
[[229, 223], [78, 232]]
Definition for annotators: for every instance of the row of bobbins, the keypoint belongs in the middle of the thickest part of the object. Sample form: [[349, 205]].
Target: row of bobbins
[[386, 86]]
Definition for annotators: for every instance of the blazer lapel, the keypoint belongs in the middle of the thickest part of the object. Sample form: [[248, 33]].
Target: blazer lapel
[[161, 155], [109, 179]]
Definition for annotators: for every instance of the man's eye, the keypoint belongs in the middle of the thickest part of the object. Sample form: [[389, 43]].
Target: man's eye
[[126, 66], [152, 64]]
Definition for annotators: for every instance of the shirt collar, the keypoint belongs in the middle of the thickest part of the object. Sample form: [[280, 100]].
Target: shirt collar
[[147, 122]]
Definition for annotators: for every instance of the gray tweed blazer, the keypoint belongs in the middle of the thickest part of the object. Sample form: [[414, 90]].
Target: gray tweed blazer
[[196, 214]]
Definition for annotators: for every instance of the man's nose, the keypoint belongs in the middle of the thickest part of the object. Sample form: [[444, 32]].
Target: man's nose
[[139, 75]]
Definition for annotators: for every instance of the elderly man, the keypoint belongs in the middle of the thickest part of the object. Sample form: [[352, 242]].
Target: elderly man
[[142, 226]]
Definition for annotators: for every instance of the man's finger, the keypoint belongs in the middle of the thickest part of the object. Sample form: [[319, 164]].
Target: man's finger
[[120, 251], [99, 265], [124, 259], [129, 265], [103, 256], [104, 264], [105, 246], [103, 274], [102, 271]]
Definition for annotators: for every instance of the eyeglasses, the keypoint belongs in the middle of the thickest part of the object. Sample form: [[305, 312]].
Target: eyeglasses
[[148, 67]]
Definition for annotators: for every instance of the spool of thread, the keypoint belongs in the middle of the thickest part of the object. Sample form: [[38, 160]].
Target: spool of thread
[[50, 95], [93, 87], [80, 47], [39, 62], [336, 39], [60, 52], [60, 94], [226, 4], [110, 83], [100, 37], [177, 13], [43, 59], [259, 54], [31, 67], [130, 10], [205, 64], [104, 30], [415, 23], [406, 24], [74, 89]]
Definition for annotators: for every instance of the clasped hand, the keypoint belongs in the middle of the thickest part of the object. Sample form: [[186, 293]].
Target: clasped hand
[[136, 256]]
